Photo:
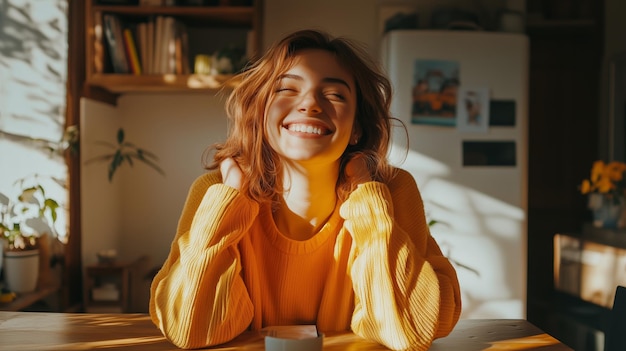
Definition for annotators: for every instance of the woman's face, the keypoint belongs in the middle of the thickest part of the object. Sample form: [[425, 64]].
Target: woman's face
[[310, 115]]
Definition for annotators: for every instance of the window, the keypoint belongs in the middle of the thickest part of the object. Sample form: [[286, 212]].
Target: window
[[33, 75]]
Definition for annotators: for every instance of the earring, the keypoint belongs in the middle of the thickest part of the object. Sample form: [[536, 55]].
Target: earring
[[355, 140]]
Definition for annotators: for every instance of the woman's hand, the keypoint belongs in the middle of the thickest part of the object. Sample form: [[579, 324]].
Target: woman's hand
[[231, 173], [357, 172]]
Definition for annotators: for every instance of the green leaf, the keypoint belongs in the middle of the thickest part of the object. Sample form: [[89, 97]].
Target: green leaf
[[28, 195], [120, 136], [52, 206], [115, 163], [153, 166], [130, 145], [129, 158], [43, 191], [148, 154]]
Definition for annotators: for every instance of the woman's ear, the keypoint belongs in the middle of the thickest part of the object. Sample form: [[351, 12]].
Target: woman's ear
[[356, 134]]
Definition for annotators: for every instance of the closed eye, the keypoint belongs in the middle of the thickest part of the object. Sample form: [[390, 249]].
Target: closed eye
[[284, 90], [335, 96]]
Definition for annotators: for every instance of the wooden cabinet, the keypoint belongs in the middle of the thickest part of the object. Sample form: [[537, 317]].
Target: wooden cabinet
[[588, 266], [208, 28]]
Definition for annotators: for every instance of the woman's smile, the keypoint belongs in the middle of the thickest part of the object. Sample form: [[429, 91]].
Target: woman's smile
[[307, 129]]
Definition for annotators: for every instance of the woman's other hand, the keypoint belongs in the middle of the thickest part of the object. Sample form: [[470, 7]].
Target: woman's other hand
[[357, 172], [231, 173]]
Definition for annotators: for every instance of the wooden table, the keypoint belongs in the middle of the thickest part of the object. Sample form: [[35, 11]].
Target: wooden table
[[79, 331]]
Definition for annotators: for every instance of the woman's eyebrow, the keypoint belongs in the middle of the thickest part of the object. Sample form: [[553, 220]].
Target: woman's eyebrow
[[337, 80], [327, 79]]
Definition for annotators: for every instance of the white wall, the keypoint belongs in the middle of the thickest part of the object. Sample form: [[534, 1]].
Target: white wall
[[178, 128], [100, 201], [138, 212]]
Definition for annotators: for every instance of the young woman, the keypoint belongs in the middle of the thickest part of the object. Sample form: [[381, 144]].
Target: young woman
[[301, 219]]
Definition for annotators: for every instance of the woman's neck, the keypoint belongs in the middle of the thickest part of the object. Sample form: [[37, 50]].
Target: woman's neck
[[309, 200]]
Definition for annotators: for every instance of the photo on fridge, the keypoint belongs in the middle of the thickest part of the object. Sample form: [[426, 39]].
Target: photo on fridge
[[435, 85], [473, 109]]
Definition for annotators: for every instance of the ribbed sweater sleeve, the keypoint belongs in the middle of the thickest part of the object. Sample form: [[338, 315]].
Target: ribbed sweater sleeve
[[198, 298], [406, 291]]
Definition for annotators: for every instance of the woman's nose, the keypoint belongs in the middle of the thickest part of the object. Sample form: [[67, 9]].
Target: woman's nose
[[309, 104]]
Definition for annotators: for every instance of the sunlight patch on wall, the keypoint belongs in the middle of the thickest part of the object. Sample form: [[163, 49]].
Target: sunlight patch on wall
[[483, 236]]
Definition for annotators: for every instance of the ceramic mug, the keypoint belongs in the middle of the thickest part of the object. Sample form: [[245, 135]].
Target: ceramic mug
[[281, 344]]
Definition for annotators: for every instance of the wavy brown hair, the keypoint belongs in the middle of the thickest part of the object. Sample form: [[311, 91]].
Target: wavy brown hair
[[247, 143]]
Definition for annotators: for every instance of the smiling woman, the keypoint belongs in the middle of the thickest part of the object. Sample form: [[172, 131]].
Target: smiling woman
[[300, 218]]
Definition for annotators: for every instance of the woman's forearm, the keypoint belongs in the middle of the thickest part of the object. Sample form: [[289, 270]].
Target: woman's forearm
[[198, 298]]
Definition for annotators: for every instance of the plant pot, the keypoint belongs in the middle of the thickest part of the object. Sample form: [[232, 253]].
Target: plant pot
[[21, 270]]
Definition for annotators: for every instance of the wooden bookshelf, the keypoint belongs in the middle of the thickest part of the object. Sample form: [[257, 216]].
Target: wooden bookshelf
[[210, 28], [128, 83]]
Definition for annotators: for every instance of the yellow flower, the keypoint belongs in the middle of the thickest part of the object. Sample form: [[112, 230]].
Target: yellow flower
[[605, 178], [605, 185], [596, 171], [585, 187]]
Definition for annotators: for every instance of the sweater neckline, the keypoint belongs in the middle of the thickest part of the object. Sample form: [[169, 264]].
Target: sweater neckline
[[287, 245]]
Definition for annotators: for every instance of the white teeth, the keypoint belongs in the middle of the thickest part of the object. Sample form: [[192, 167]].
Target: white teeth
[[303, 128]]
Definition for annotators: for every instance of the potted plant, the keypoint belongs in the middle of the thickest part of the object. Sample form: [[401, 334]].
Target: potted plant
[[606, 188], [23, 220], [125, 152]]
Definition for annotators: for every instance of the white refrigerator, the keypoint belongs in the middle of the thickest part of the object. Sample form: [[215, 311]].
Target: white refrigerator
[[463, 97]]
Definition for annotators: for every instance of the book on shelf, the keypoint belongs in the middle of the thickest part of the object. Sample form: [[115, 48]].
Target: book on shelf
[[131, 52], [150, 47], [181, 51], [142, 45], [98, 45], [112, 27], [156, 45], [168, 48]]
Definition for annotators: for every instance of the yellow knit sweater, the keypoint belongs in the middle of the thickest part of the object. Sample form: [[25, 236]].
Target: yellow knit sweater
[[373, 268]]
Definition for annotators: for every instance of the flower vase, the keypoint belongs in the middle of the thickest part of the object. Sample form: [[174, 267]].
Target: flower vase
[[607, 210]]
